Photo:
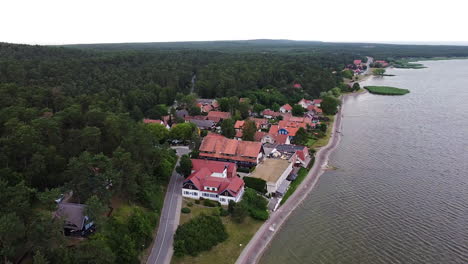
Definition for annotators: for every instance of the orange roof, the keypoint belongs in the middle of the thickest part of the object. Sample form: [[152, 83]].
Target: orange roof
[[218, 114], [239, 124], [287, 107], [217, 146]]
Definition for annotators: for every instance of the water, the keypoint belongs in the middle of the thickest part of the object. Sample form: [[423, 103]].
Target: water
[[400, 194]]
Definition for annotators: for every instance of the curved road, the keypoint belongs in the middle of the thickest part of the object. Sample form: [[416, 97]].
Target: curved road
[[257, 245], [161, 251]]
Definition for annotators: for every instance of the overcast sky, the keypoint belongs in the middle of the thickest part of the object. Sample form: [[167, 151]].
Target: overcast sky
[[100, 21]]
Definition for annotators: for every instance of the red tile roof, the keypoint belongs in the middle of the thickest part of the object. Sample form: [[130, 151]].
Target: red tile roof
[[287, 107], [357, 62], [217, 146], [271, 113], [202, 176], [239, 124], [217, 115], [297, 85], [207, 108], [317, 101], [152, 121]]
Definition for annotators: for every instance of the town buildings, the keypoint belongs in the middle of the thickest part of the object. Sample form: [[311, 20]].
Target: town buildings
[[243, 153], [213, 180]]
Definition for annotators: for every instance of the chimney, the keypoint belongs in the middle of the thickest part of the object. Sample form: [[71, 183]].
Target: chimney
[[225, 171]]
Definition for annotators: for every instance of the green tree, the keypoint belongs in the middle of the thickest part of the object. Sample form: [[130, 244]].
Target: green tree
[[301, 137], [95, 251], [249, 130], [330, 105], [298, 110], [95, 209], [227, 128], [11, 232], [356, 86], [336, 92], [158, 131], [378, 71], [185, 166], [39, 258]]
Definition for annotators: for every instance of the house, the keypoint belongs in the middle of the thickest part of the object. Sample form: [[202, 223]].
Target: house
[[213, 180], [203, 124], [239, 125], [300, 154], [297, 85], [156, 121], [265, 137], [288, 128], [285, 108], [76, 223], [217, 116], [304, 103], [357, 62], [274, 171], [269, 114], [207, 105], [261, 123], [182, 113], [243, 153], [317, 102]]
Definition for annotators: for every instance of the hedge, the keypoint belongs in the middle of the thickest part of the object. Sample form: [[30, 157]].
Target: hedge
[[255, 183]]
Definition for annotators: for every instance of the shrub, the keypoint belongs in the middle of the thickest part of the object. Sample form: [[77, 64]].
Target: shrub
[[223, 212], [189, 204], [259, 214], [186, 210], [209, 203], [192, 237], [197, 201], [255, 183]]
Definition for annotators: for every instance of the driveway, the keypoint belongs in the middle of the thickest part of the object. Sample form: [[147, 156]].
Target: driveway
[[162, 250]]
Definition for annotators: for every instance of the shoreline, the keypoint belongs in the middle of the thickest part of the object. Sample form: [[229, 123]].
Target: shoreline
[[256, 247]]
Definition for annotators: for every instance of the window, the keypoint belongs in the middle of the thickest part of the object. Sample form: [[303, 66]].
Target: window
[[222, 200]]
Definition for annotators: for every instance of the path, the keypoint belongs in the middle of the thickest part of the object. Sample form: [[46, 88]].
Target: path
[[258, 244], [162, 250]]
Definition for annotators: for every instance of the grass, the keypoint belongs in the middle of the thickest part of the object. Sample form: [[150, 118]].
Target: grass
[[386, 90], [324, 140], [292, 188], [407, 64], [228, 251]]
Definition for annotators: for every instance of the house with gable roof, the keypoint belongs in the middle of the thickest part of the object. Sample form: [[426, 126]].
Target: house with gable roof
[[213, 180]]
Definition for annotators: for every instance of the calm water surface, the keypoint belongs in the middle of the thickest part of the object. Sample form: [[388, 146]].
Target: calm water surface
[[400, 193]]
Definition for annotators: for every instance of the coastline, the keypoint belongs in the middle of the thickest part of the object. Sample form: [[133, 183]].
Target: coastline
[[256, 247]]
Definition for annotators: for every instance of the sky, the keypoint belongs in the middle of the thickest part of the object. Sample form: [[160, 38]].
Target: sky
[[103, 21]]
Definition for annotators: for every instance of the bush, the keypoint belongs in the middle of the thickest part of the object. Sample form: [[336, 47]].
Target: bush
[[186, 210], [223, 212], [209, 203], [189, 204], [243, 169], [255, 183], [259, 214], [192, 237], [197, 201]]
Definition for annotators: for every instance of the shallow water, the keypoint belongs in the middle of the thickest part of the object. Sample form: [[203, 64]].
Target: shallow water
[[400, 194]]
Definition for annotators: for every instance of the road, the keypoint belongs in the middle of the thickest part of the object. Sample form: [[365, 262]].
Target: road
[[162, 250], [259, 243], [369, 61]]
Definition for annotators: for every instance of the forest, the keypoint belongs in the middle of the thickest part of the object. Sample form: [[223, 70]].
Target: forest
[[70, 120]]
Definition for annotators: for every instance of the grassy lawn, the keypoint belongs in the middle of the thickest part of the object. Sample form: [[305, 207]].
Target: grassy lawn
[[226, 252], [386, 90], [292, 188], [324, 141]]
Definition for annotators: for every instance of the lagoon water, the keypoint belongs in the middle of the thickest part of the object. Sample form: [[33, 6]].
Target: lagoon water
[[400, 191]]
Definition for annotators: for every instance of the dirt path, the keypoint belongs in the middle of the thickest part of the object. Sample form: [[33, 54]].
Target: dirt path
[[258, 244]]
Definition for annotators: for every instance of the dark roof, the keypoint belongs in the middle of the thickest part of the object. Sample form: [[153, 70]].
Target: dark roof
[[205, 101], [182, 113], [73, 214], [202, 124], [289, 148]]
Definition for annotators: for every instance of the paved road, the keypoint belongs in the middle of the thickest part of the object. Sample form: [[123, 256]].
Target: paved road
[[161, 251], [257, 245]]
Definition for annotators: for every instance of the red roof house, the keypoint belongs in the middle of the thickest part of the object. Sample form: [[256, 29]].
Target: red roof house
[[357, 62], [285, 108], [217, 116], [214, 180], [243, 153]]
